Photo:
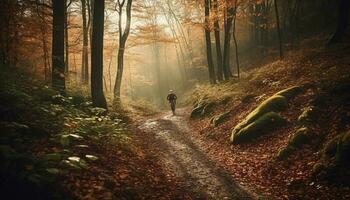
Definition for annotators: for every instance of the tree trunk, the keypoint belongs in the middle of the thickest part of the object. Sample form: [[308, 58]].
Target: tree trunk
[[58, 68], [278, 30], [227, 42], [66, 43], [123, 36], [98, 98], [211, 70], [43, 41], [85, 54], [235, 39], [219, 73], [343, 20]]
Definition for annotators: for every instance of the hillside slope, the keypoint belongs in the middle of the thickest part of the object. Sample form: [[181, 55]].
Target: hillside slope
[[324, 77]]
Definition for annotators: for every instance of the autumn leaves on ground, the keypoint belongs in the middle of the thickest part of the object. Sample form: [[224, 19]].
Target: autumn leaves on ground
[[263, 99], [55, 146]]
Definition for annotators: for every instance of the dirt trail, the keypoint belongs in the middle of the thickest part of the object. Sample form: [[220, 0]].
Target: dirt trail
[[183, 155]]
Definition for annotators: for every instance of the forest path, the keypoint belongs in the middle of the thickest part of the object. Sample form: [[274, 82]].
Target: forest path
[[183, 155]]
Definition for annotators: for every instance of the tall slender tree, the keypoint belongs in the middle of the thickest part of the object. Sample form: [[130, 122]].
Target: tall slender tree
[[211, 70], [58, 67], [235, 38], [227, 41], [85, 56], [278, 30], [98, 98], [123, 36], [219, 72]]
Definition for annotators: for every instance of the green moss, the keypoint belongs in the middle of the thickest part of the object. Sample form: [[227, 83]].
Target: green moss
[[285, 152], [300, 138], [343, 150], [201, 108], [218, 119], [338, 147], [264, 124], [309, 114], [274, 103], [290, 93], [330, 149], [318, 168]]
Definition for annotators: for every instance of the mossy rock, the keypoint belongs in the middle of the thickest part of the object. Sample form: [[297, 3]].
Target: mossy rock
[[207, 108], [318, 168], [301, 137], [343, 150], [263, 125], [201, 108], [218, 119], [309, 115], [290, 93], [330, 149], [274, 103], [285, 152], [197, 111], [339, 148]]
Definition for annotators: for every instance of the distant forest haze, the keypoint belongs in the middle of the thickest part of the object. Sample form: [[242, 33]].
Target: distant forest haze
[[151, 46]]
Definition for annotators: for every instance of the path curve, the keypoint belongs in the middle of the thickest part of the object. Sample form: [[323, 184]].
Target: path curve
[[184, 155]]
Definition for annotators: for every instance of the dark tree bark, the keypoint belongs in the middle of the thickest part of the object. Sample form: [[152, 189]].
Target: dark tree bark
[[227, 41], [235, 39], [219, 73], [123, 36], [58, 68], [85, 56], [343, 20], [278, 30], [66, 42], [208, 43], [98, 98], [44, 42]]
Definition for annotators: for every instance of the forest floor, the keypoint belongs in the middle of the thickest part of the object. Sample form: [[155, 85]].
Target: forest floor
[[170, 138], [324, 73]]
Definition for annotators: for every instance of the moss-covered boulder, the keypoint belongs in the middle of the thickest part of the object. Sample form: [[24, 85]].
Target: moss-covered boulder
[[263, 125], [275, 103], [309, 115], [290, 93], [301, 137], [285, 152], [335, 160], [218, 119], [201, 108], [339, 148], [196, 111]]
